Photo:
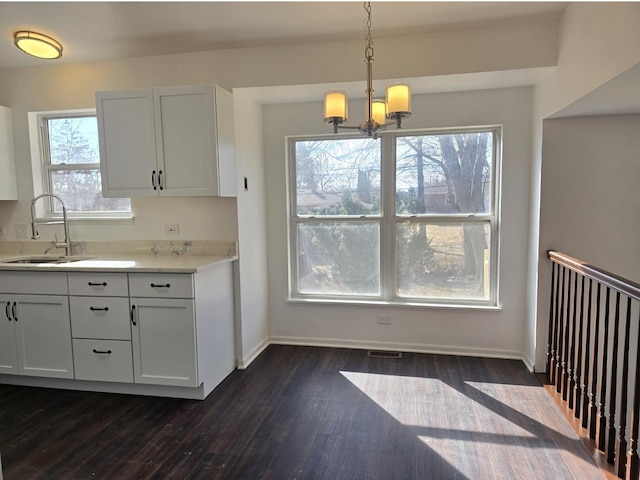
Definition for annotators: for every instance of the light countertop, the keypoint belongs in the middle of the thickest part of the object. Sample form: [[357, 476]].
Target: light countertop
[[117, 263]]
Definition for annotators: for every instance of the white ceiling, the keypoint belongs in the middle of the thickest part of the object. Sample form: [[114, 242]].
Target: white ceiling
[[107, 30]]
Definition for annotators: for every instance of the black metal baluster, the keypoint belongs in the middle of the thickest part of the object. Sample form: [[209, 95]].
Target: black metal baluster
[[577, 409], [611, 445], [621, 444], [557, 328], [593, 410], [550, 349], [602, 407], [560, 365], [586, 391], [572, 356], [633, 462]]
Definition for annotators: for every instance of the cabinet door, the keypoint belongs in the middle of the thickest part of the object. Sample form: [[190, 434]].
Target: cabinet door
[[8, 185], [8, 354], [186, 140], [164, 342], [43, 336], [127, 143]]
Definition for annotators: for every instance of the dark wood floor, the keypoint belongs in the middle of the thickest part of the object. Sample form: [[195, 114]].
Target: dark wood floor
[[305, 413]]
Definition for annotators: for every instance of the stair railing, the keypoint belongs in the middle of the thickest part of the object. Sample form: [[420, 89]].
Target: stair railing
[[593, 355]]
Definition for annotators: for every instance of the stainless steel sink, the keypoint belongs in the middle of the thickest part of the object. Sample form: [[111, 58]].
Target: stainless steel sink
[[36, 260]]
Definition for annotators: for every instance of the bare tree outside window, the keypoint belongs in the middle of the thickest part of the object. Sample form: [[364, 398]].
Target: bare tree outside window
[[445, 181], [72, 166]]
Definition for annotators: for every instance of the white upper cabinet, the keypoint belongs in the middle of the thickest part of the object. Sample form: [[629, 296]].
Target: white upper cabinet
[[8, 187], [173, 141]]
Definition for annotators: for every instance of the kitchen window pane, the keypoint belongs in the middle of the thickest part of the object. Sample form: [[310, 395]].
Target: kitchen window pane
[[81, 191], [73, 140]]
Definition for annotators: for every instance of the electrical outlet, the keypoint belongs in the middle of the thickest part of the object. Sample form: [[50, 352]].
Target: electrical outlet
[[384, 320], [21, 230], [172, 229]]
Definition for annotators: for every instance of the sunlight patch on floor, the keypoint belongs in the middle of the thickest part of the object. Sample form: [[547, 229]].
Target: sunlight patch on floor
[[430, 403]]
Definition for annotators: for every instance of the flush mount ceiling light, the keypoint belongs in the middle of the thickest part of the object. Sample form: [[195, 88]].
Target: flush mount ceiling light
[[396, 106], [37, 44]]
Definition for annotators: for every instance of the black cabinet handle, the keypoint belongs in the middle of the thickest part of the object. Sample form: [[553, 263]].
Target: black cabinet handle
[[133, 315], [96, 309], [13, 311], [161, 180], [158, 285], [93, 284], [153, 180], [6, 311], [104, 352]]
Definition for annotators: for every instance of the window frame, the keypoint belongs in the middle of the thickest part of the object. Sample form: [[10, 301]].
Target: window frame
[[388, 223], [43, 169]]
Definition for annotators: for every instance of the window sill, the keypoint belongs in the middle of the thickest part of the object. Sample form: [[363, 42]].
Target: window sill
[[393, 304], [90, 220]]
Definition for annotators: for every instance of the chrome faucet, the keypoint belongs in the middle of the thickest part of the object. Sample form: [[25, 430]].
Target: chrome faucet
[[34, 224]]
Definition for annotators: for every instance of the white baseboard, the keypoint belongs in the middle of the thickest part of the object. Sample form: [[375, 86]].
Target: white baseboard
[[245, 361], [529, 362], [404, 347]]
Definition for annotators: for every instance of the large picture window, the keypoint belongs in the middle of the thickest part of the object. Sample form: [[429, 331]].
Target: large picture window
[[406, 218]]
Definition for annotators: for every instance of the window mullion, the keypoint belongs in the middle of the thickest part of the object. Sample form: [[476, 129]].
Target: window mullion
[[387, 246]]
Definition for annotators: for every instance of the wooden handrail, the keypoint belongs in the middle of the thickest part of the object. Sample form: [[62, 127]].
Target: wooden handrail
[[616, 282]]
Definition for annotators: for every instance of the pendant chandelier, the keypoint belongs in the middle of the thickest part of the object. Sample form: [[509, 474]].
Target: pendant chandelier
[[396, 106]]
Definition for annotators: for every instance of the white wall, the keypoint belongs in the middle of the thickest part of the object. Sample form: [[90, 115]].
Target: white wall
[[252, 332], [597, 42], [495, 333], [590, 206]]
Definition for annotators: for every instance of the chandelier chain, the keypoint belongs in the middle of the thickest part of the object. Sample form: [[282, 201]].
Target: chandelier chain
[[368, 51]]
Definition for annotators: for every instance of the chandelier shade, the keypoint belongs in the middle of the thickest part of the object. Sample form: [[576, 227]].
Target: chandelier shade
[[335, 106], [399, 98]]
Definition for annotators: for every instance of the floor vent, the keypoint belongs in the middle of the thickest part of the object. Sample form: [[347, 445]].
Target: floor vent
[[384, 354]]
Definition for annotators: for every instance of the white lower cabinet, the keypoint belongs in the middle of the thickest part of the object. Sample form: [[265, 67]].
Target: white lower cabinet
[[36, 336], [8, 350], [168, 334], [164, 342], [99, 308]]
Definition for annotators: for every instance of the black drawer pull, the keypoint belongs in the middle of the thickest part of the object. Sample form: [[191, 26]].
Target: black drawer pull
[[103, 352], [157, 285], [96, 309], [92, 284], [13, 311], [133, 315], [6, 311]]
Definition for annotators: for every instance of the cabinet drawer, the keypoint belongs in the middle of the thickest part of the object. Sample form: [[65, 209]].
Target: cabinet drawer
[[98, 284], [159, 285], [103, 360], [36, 283], [100, 317]]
